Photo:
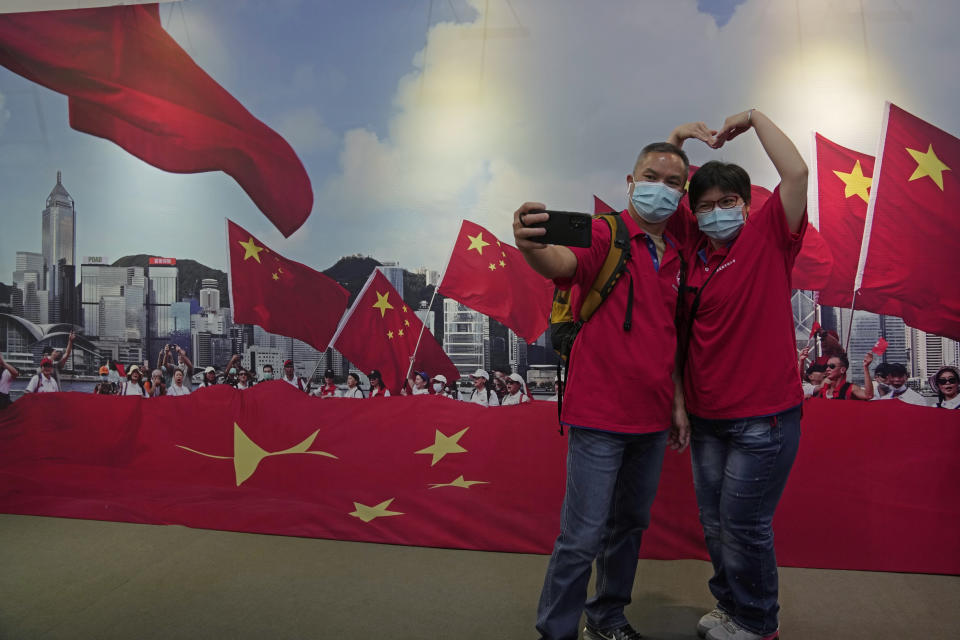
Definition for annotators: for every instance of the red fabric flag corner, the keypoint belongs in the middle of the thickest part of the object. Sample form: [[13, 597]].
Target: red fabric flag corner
[[263, 284], [814, 329], [599, 206], [881, 347], [128, 81], [914, 229], [844, 178], [493, 278], [380, 332]]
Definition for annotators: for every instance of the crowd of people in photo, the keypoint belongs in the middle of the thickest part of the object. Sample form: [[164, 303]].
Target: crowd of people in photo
[[174, 370]]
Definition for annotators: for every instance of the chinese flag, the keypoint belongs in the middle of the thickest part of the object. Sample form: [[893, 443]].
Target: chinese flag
[[493, 278], [281, 295], [381, 332], [844, 178], [599, 206], [128, 81], [913, 228]]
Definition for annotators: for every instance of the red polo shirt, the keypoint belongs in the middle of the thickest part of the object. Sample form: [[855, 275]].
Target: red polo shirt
[[620, 380], [742, 359]]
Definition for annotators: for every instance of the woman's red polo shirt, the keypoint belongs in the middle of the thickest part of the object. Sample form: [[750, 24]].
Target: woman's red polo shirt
[[742, 358]]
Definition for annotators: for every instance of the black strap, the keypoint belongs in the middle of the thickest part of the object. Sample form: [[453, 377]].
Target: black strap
[[628, 316], [684, 346]]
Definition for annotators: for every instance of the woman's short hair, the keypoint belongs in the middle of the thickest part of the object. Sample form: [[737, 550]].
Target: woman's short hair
[[725, 175], [842, 357]]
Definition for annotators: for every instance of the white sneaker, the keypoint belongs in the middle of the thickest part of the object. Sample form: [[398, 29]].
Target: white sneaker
[[730, 630], [709, 621]]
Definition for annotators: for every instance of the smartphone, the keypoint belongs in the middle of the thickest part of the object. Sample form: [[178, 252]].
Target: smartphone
[[566, 228]]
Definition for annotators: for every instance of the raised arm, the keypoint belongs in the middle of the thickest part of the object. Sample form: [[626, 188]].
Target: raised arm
[[782, 152], [698, 130], [184, 358], [866, 393], [9, 367], [549, 260], [62, 362]]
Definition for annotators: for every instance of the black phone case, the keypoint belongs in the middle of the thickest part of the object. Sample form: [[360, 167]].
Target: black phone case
[[567, 228]]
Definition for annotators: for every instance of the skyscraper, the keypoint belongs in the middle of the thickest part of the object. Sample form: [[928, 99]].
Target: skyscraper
[[466, 337], [59, 246], [209, 295], [393, 273]]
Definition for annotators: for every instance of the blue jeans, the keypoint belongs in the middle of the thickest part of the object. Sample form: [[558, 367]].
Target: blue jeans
[[612, 479], [740, 468]]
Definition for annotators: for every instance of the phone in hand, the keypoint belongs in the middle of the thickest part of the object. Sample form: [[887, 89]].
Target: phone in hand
[[567, 228]]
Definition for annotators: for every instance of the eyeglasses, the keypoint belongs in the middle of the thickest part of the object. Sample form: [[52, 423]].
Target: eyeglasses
[[946, 381], [832, 366], [726, 202]]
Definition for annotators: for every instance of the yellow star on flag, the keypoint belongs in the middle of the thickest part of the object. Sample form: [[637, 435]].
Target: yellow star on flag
[[502, 263], [367, 514], [405, 308], [251, 250], [390, 334], [406, 323], [276, 277], [856, 183], [459, 482], [477, 242], [382, 303], [442, 445], [928, 164], [493, 267], [279, 270], [400, 333]]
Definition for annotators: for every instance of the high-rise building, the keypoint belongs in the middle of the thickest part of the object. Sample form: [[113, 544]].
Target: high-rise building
[[430, 276], [929, 352], [394, 273], [59, 245], [427, 317], [466, 337], [161, 294], [209, 294], [518, 354], [29, 261]]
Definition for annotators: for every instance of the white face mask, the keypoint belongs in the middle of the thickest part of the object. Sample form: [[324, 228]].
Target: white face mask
[[437, 387], [654, 201]]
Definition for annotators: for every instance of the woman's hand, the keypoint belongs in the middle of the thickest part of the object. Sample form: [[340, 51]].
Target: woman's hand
[[732, 127], [698, 130]]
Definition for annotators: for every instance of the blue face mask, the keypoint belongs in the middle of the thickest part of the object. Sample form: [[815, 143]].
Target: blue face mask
[[654, 201], [721, 224], [268, 375]]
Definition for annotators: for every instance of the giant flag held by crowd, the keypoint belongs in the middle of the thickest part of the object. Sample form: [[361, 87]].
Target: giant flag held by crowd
[[264, 284], [493, 278], [128, 81], [843, 180], [381, 332], [912, 230]]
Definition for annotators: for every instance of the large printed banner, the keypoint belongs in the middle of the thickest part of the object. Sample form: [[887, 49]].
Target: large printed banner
[[870, 490]]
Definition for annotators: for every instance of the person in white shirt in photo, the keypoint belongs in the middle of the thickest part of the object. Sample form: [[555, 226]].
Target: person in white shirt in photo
[[43, 382], [134, 384], [897, 379], [482, 394], [353, 389], [377, 390], [8, 374], [177, 386], [516, 391]]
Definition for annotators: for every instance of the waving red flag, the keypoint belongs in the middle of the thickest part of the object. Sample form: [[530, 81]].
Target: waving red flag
[[281, 295], [844, 178], [381, 332], [493, 278], [912, 227], [128, 81], [599, 206]]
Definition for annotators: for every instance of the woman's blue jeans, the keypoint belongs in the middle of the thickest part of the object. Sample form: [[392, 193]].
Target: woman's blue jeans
[[612, 479], [740, 468]]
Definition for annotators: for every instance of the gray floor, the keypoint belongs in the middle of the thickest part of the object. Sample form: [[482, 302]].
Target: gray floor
[[62, 578]]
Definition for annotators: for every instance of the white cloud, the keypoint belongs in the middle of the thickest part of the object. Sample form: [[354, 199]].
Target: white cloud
[[304, 129]]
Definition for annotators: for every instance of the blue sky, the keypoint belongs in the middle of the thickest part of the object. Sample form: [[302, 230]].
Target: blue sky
[[405, 128]]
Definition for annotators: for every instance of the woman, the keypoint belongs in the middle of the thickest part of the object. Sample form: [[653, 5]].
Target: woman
[[157, 388], [516, 394], [353, 389], [377, 390], [420, 384], [329, 388], [134, 384], [737, 320], [209, 377], [835, 385], [500, 388], [944, 382], [177, 388]]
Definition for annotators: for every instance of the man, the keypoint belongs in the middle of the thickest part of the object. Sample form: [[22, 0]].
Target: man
[[482, 394], [105, 386], [291, 378], [881, 386], [177, 386], [59, 358], [815, 375], [897, 379], [169, 367], [516, 394], [43, 382], [617, 440], [268, 372], [7, 376]]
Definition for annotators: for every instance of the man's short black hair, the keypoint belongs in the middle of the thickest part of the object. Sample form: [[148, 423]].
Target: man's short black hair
[[663, 147], [896, 369], [268, 365], [725, 175], [883, 369], [816, 368]]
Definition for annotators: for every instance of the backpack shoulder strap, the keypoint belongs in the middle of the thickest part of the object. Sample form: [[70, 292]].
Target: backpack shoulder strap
[[613, 266]]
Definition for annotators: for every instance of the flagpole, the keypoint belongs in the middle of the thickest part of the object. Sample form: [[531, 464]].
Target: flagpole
[[423, 325], [868, 221]]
